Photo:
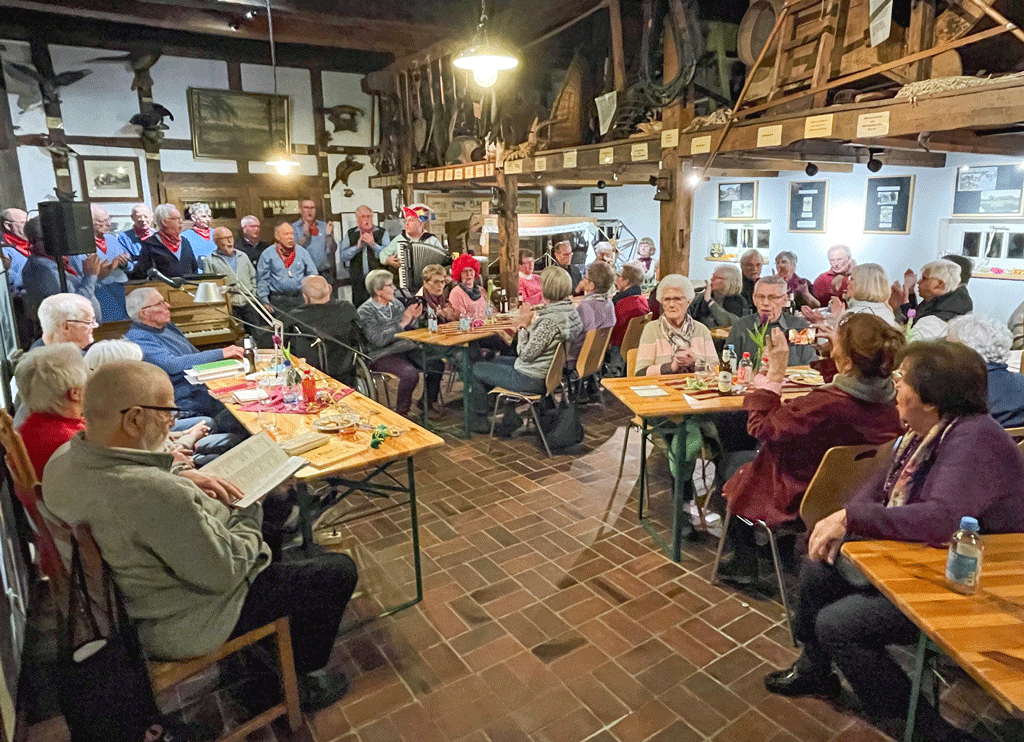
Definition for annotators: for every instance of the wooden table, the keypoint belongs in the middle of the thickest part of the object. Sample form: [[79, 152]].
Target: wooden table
[[458, 342], [983, 633], [678, 413], [404, 447], [720, 333]]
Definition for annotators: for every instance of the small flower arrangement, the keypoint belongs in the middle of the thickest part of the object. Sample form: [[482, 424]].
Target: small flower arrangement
[[760, 336], [909, 327]]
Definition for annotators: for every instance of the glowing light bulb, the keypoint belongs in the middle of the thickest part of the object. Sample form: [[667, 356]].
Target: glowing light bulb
[[550, 189], [282, 167], [485, 77], [694, 180]]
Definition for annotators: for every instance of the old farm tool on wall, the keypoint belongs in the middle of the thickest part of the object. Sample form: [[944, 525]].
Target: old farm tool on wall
[[568, 116], [685, 23]]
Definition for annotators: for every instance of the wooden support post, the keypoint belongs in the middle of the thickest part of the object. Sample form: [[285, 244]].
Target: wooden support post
[[54, 120], [920, 35], [618, 56], [674, 241], [12, 190], [826, 49], [508, 233]]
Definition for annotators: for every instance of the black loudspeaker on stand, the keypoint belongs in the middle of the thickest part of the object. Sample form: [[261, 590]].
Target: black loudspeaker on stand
[[67, 230]]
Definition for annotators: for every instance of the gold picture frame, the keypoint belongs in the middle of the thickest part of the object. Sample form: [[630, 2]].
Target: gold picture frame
[[232, 125]]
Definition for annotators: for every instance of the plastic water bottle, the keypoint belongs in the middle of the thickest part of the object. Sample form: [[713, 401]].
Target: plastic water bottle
[[292, 390], [744, 373], [963, 565], [431, 319], [464, 321]]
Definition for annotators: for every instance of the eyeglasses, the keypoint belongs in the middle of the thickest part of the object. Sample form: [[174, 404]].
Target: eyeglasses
[[433, 281], [161, 303], [158, 408], [90, 322], [773, 297], [673, 299]]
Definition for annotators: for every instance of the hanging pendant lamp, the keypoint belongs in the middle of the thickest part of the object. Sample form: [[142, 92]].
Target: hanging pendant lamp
[[278, 158], [484, 59]]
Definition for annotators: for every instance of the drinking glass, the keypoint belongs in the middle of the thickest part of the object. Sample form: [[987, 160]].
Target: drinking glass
[[266, 419], [700, 368]]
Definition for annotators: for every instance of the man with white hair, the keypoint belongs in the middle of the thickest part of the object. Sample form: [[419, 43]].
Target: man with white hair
[[751, 265], [992, 340], [834, 281], [317, 237], [194, 572], [321, 314], [42, 279], [199, 236], [237, 269], [249, 239], [167, 249], [362, 253], [166, 347], [15, 245], [940, 301], [67, 318], [770, 300], [142, 229], [281, 268]]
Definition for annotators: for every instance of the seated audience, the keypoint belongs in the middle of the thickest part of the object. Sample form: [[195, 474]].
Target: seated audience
[[194, 572], [770, 299], [67, 318], [237, 270], [751, 265], [41, 278], [562, 254], [167, 250], [529, 282], [199, 236], [381, 317], [324, 316], [675, 341], [166, 347], [606, 252], [467, 297], [645, 259], [541, 331], [721, 303], [435, 278], [629, 302], [249, 240], [795, 435], [798, 288], [595, 309], [992, 342], [280, 270], [941, 394], [940, 301], [833, 282], [867, 293]]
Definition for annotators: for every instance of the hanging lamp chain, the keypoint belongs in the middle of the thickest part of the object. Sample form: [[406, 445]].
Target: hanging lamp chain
[[273, 50]]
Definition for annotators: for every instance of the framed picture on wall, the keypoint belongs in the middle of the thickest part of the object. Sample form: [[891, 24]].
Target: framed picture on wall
[[888, 205], [230, 125], [110, 178], [737, 201], [988, 190], [599, 203], [808, 205]]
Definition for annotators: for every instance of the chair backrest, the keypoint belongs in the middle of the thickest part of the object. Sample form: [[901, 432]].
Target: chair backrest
[[635, 328], [22, 471], [840, 474], [554, 379], [1018, 437], [591, 356], [631, 361]]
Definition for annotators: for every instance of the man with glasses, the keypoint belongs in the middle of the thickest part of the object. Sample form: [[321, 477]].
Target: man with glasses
[[194, 571], [166, 249], [165, 346], [770, 299]]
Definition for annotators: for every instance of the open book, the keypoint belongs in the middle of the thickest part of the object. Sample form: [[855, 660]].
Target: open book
[[255, 466]]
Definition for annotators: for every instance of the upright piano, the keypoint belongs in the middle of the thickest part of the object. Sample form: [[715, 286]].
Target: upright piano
[[203, 324]]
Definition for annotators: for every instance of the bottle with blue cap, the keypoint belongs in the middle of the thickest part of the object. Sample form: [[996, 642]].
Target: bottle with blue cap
[[963, 565]]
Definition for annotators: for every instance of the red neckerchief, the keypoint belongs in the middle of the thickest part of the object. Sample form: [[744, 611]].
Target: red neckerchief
[[67, 264], [172, 245], [312, 229], [18, 243], [286, 259], [101, 243], [203, 232], [143, 235]]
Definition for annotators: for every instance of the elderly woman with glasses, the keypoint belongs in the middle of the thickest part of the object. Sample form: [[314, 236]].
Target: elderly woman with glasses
[[673, 343], [381, 317], [954, 461], [435, 278], [722, 302], [467, 296], [992, 341]]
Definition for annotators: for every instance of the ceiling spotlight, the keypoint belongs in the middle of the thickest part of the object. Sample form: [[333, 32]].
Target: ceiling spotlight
[[653, 180], [252, 14], [693, 180], [550, 189], [811, 169], [874, 164], [601, 184]]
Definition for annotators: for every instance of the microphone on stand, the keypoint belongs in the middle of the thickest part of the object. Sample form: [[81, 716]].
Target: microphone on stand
[[154, 274]]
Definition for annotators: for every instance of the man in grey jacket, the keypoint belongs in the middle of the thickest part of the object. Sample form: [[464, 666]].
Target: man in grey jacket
[[194, 571]]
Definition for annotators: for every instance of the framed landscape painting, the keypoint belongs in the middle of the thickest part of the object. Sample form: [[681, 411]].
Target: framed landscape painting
[[110, 178], [231, 125]]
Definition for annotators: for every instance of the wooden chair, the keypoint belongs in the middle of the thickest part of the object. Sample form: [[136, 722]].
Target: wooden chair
[[631, 338], [591, 358], [164, 675], [553, 382], [636, 422], [841, 472], [1018, 436]]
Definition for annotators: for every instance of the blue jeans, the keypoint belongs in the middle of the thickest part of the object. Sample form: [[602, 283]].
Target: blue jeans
[[500, 372]]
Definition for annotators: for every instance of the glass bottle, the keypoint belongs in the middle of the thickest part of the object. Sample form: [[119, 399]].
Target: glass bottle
[[744, 372], [963, 565], [431, 319]]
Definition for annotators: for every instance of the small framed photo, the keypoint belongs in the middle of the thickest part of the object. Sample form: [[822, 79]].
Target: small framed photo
[[110, 178], [888, 205], [599, 203], [737, 201]]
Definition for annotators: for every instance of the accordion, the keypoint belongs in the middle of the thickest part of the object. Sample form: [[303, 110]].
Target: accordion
[[413, 257]]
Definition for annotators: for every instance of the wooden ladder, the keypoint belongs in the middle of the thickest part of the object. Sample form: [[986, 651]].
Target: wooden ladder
[[797, 33]]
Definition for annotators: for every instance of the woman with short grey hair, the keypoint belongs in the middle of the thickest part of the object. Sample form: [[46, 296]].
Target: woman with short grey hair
[[720, 303], [940, 301], [676, 341], [992, 340], [199, 236], [868, 291], [381, 317]]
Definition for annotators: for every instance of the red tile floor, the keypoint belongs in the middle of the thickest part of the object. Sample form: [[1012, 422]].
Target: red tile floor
[[550, 615]]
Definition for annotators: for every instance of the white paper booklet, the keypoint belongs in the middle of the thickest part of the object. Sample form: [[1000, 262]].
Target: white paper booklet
[[255, 466]]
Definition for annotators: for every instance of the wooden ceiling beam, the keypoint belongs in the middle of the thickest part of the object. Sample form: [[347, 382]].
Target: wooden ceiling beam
[[956, 141], [739, 163]]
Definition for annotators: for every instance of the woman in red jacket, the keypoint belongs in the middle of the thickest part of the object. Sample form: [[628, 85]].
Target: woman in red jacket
[[858, 407]]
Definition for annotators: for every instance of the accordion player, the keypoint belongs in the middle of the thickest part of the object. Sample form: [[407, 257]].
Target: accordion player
[[415, 248]]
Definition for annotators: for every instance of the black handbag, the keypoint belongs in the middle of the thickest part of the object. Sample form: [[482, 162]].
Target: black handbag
[[562, 426], [103, 688]]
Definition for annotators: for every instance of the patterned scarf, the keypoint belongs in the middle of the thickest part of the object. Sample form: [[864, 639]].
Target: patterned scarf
[[286, 258], [171, 243], [913, 452], [203, 232], [679, 337], [312, 229]]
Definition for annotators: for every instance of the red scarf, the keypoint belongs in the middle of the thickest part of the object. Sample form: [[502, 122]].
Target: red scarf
[[143, 235], [101, 244], [311, 229], [18, 243], [286, 259], [171, 244], [203, 232], [67, 265]]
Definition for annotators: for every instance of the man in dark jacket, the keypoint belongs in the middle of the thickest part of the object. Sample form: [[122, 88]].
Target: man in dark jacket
[[361, 250], [249, 241], [322, 316], [166, 250]]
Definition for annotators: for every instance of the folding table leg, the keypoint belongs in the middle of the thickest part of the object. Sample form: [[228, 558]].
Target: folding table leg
[[915, 686]]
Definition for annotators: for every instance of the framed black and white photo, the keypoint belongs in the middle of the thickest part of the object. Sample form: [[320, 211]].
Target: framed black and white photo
[[599, 203], [231, 125], [888, 205], [737, 201], [110, 178], [808, 205], [988, 190]]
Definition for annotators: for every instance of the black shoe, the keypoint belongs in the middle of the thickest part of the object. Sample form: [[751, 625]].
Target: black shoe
[[793, 682], [480, 424], [510, 423], [738, 571], [318, 690]]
